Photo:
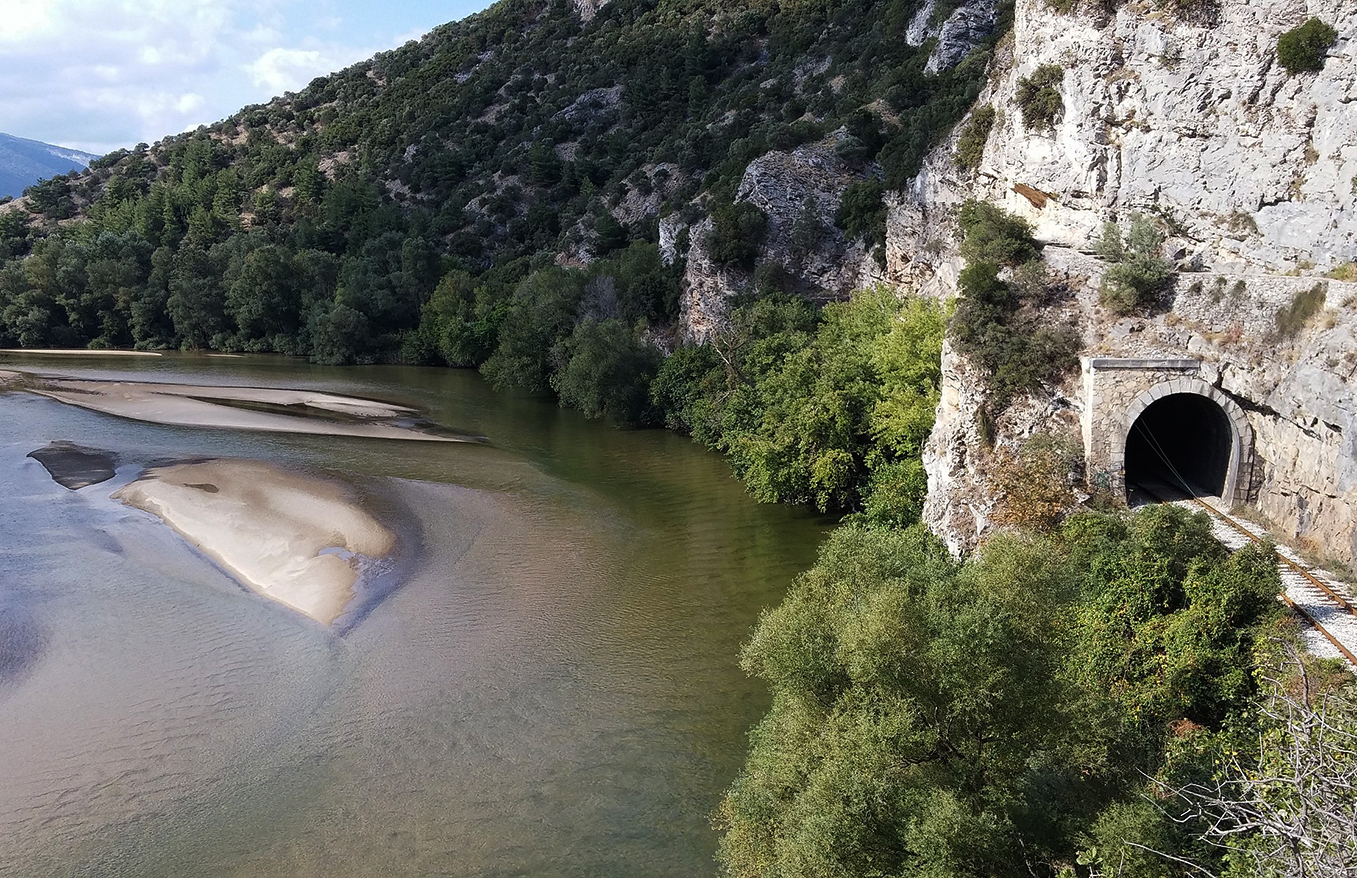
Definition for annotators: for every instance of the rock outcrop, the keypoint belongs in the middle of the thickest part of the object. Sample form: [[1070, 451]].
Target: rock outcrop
[[963, 30], [589, 8], [803, 186], [1255, 172]]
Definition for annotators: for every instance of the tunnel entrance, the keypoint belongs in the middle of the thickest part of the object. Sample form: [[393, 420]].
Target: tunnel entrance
[[1183, 442]]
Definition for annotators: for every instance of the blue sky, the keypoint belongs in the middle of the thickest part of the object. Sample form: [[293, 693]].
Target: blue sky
[[102, 74]]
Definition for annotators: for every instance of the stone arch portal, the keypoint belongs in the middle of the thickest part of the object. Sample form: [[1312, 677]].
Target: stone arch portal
[[1157, 422]]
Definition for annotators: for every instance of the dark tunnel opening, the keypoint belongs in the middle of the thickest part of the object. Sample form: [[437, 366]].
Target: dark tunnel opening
[[1180, 442]]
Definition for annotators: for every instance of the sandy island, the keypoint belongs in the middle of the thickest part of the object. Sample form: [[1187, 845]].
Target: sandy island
[[240, 408], [297, 539]]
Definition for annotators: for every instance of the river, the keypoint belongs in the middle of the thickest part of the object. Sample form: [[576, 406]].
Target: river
[[551, 689]]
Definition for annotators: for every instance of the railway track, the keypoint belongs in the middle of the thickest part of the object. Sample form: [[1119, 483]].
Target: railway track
[[1314, 594]]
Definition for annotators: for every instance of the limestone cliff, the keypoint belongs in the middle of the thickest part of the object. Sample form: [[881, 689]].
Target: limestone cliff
[[1255, 172]]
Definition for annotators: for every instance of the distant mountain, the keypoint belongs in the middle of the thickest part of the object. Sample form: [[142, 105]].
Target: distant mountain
[[25, 162]]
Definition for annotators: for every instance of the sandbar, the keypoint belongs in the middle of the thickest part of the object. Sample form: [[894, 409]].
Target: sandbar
[[78, 352], [74, 466], [241, 408], [297, 538]]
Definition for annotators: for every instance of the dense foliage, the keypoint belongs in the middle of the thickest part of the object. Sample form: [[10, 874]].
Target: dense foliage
[[831, 410], [1000, 716], [1305, 48], [1008, 326]]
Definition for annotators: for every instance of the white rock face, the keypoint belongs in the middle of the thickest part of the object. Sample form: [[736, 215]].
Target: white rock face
[[589, 8], [1258, 170], [1198, 120]]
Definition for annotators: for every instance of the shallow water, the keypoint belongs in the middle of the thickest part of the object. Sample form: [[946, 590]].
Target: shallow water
[[551, 689]]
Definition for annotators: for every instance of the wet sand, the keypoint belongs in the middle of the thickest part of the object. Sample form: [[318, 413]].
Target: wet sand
[[75, 466], [295, 538], [240, 408]]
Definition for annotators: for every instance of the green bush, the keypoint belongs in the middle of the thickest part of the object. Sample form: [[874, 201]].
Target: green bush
[[995, 716], [970, 147], [1039, 96], [1305, 48], [1002, 326], [1137, 274], [992, 234], [859, 396], [862, 212], [736, 234], [607, 372]]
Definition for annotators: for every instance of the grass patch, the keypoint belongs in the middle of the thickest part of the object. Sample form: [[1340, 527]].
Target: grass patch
[[1306, 304]]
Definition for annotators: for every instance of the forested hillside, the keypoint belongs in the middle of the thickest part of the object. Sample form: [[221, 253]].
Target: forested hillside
[[321, 223]]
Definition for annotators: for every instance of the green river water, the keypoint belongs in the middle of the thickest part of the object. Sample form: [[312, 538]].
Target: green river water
[[551, 689]]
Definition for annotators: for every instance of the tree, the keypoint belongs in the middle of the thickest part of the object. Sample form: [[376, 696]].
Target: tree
[[736, 235], [909, 694], [1288, 806], [540, 315], [607, 372], [1137, 273], [860, 395], [263, 299]]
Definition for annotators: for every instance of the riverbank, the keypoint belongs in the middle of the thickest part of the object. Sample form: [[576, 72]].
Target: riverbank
[[296, 538]]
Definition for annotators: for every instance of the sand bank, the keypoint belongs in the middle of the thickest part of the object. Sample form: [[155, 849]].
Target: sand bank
[[77, 352], [75, 466], [241, 408], [298, 539]]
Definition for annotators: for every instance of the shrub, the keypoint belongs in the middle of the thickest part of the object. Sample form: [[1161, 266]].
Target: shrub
[[1305, 48], [992, 234], [1137, 273], [1036, 483], [862, 212], [1016, 346], [1039, 96], [970, 147], [1001, 326]]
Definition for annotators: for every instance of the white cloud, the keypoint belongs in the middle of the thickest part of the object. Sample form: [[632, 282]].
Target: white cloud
[[24, 18], [100, 74], [279, 70]]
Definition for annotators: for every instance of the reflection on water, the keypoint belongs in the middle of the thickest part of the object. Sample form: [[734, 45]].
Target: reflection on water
[[551, 690]]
